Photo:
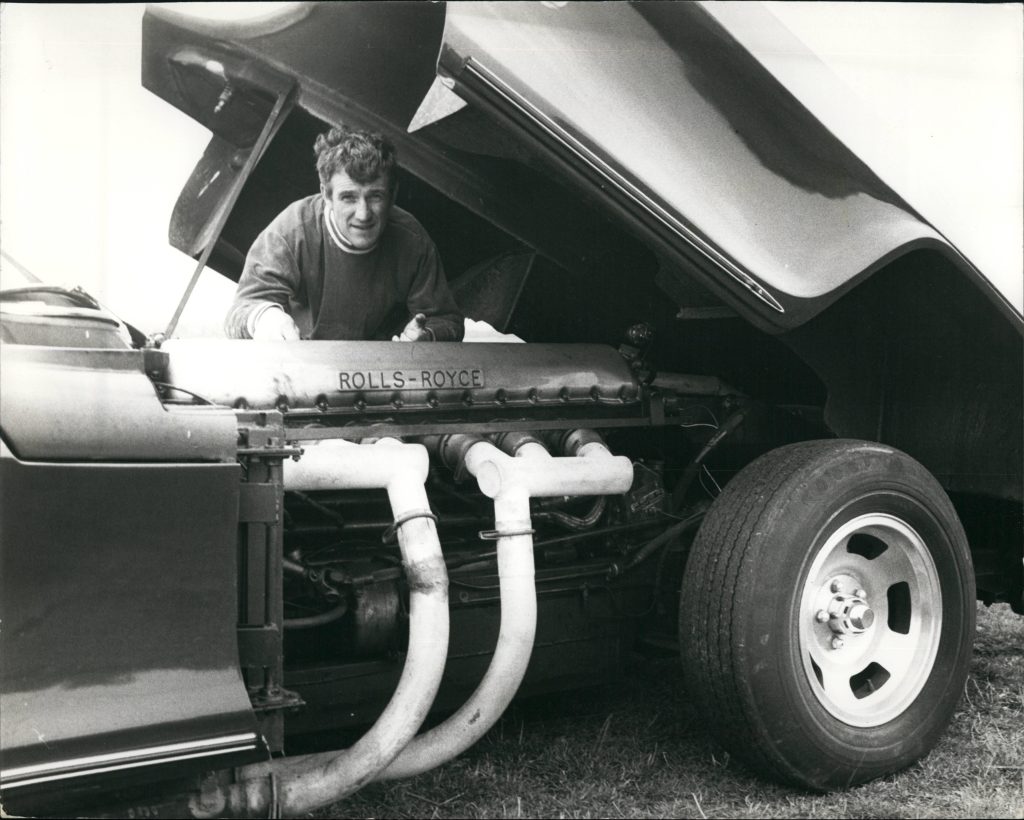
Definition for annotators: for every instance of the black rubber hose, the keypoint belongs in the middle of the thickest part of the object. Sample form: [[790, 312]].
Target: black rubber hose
[[652, 546], [690, 473], [575, 522], [330, 616]]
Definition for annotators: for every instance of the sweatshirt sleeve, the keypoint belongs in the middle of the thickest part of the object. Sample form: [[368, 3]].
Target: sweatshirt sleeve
[[430, 296], [271, 276]]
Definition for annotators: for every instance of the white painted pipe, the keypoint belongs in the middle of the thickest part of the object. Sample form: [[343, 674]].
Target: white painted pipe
[[307, 783], [336, 464], [510, 482], [532, 449], [593, 449]]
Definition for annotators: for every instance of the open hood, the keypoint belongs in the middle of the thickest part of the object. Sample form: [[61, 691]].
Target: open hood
[[549, 121]]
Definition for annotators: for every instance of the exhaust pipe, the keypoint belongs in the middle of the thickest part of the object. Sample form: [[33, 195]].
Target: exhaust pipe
[[511, 482], [293, 786]]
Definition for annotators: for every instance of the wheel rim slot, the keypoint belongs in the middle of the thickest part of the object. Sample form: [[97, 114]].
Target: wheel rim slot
[[869, 680], [900, 610], [866, 546]]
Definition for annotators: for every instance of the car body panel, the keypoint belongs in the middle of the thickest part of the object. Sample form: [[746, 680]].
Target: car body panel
[[144, 673], [118, 530], [732, 178], [99, 405], [644, 91]]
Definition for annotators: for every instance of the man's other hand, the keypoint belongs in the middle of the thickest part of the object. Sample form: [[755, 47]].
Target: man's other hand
[[274, 325], [415, 331]]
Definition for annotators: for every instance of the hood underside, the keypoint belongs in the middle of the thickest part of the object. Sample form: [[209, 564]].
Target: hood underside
[[648, 117]]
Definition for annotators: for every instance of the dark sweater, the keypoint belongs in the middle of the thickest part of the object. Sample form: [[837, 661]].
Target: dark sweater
[[333, 294]]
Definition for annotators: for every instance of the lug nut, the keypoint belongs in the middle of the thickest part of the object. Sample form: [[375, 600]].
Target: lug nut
[[837, 643], [821, 616], [836, 586], [860, 593]]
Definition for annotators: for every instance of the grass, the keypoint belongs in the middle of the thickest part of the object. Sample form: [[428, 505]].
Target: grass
[[634, 748]]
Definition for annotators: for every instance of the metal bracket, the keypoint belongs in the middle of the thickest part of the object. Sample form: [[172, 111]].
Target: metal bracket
[[270, 700], [259, 503], [391, 532]]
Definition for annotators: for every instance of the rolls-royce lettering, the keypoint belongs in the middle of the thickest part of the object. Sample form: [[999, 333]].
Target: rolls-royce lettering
[[433, 378]]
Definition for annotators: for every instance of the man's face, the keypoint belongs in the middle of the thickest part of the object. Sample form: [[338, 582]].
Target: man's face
[[360, 211]]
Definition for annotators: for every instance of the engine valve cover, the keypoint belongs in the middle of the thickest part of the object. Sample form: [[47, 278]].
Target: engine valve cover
[[364, 377]]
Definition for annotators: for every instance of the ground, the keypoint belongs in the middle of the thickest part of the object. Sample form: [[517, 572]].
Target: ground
[[634, 748]]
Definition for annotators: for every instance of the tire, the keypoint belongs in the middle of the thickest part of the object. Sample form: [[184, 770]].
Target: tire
[[816, 685]]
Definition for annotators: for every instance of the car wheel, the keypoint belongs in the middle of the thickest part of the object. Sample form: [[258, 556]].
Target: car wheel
[[827, 613]]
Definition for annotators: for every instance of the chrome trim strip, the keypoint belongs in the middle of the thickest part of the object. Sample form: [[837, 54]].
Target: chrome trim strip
[[624, 185], [98, 764]]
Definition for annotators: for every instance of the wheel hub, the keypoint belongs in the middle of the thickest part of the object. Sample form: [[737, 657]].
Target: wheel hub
[[850, 615]]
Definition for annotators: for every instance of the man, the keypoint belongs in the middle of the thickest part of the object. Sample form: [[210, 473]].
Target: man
[[336, 264]]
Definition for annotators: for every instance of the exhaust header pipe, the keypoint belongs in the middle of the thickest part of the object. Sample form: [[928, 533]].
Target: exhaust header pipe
[[511, 481]]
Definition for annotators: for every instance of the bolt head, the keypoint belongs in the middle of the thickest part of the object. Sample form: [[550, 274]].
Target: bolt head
[[836, 586], [821, 616], [837, 643], [860, 593]]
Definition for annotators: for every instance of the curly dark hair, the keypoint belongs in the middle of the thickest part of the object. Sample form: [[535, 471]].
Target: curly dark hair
[[363, 155]]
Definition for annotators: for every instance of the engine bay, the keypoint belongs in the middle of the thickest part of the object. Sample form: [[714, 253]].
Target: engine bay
[[324, 621]]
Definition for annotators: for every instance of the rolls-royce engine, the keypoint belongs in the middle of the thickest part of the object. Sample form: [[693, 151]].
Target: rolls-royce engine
[[527, 479]]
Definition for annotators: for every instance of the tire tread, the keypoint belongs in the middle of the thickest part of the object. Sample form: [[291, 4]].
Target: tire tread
[[707, 609]]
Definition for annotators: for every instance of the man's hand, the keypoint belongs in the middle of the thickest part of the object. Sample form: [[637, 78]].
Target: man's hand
[[274, 325], [415, 331]]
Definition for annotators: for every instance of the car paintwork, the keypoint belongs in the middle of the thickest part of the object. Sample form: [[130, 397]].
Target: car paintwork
[[118, 525], [731, 177], [99, 405], [118, 617]]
